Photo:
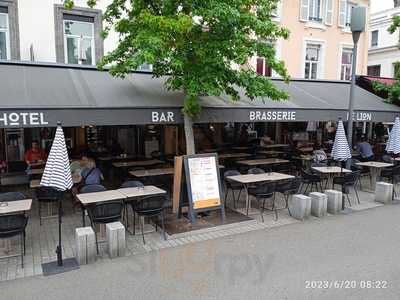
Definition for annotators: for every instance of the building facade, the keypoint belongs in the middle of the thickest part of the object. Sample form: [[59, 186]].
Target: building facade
[[320, 43], [383, 52]]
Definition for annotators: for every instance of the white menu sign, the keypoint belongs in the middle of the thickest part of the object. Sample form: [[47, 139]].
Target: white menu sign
[[204, 181]]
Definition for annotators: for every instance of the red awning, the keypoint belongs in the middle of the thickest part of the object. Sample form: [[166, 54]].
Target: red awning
[[384, 80]]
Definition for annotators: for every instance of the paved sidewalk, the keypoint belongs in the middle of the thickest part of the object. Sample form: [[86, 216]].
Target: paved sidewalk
[[272, 263]]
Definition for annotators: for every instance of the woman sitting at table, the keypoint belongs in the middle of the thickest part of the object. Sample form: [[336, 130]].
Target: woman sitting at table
[[91, 174]]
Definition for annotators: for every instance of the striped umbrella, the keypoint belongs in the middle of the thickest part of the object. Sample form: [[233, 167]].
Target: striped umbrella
[[341, 150], [57, 175], [393, 144]]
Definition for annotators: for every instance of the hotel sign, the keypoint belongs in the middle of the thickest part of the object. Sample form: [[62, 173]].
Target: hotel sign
[[20, 119]]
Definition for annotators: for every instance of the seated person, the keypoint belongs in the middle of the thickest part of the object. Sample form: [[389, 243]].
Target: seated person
[[91, 174], [365, 150], [320, 156], [35, 154], [266, 140]]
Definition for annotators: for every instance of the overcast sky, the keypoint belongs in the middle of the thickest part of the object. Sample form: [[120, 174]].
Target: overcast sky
[[378, 5]]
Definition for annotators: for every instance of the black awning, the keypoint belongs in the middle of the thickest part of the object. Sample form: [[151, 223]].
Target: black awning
[[34, 95]]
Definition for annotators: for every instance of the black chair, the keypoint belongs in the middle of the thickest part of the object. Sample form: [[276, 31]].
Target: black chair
[[392, 175], [363, 171], [90, 188], [288, 188], [255, 171], [309, 179], [11, 196], [387, 159], [233, 186], [347, 181], [131, 183], [262, 192], [14, 225], [45, 195], [103, 213], [151, 206]]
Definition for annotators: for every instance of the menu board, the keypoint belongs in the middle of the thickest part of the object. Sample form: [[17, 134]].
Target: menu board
[[203, 183]]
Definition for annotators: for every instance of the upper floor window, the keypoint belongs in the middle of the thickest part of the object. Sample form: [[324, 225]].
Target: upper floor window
[[312, 61], [374, 70], [374, 38], [4, 34], [315, 10], [79, 40], [345, 68], [349, 7]]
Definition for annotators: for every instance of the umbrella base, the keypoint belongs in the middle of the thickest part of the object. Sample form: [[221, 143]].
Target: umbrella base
[[53, 268]]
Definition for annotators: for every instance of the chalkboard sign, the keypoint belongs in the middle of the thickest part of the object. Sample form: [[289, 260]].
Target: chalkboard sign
[[203, 184]]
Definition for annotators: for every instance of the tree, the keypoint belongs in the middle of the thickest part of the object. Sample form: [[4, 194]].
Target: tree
[[203, 46], [393, 91]]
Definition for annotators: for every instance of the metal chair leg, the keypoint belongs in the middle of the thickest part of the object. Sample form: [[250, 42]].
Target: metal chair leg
[[163, 225], [134, 221], [142, 229], [358, 198], [24, 234], [262, 210], [348, 199], [95, 236], [274, 208], [22, 250], [40, 213]]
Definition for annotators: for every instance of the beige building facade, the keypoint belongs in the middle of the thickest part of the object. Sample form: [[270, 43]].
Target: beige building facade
[[320, 43]]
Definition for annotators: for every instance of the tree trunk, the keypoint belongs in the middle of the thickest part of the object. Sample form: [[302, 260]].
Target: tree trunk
[[189, 136]]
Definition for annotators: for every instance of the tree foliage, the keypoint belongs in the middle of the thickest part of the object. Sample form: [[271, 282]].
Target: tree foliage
[[393, 91], [198, 44]]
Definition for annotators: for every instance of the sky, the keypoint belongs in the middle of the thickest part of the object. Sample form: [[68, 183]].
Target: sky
[[378, 5]]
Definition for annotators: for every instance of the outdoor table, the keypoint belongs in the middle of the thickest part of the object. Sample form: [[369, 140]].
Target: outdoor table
[[19, 206], [270, 152], [115, 157], [139, 163], [376, 168], [31, 172], [276, 146], [306, 149], [305, 160], [240, 148], [35, 183], [331, 171], [97, 197], [152, 172], [135, 193], [249, 179], [262, 162], [233, 155]]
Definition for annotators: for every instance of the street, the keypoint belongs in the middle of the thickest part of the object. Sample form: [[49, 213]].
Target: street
[[338, 257]]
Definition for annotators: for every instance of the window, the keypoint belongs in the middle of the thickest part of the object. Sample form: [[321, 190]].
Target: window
[[78, 37], [263, 68], [312, 61], [345, 68], [315, 9], [4, 34], [396, 70], [79, 40], [374, 70], [374, 38], [349, 7]]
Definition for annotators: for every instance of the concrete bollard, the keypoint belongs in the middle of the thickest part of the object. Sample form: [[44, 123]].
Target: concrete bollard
[[334, 201], [300, 207], [85, 245], [384, 192], [115, 234], [319, 204]]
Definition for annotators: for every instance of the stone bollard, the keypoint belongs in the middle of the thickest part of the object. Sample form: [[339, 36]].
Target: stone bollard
[[319, 204], [85, 245], [115, 233], [334, 201], [300, 207], [384, 192]]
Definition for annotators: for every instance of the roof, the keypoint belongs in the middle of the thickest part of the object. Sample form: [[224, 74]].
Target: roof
[[84, 95]]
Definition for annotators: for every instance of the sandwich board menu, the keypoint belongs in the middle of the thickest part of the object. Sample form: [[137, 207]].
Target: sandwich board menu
[[203, 184]]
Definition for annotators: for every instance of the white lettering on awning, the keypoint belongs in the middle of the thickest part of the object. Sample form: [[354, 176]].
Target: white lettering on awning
[[18, 119], [263, 115]]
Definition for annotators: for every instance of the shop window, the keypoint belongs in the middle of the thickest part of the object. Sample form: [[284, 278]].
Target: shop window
[[345, 68]]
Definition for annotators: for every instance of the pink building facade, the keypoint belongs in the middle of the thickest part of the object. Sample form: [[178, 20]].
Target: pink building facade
[[320, 43]]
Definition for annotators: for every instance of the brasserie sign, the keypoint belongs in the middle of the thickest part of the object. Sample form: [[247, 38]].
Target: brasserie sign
[[272, 115]]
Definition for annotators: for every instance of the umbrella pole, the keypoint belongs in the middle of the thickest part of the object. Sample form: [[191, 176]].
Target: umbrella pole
[[59, 248]]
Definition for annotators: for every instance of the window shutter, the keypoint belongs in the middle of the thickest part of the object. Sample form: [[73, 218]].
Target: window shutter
[[342, 13], [329, 12], [304, 4]]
